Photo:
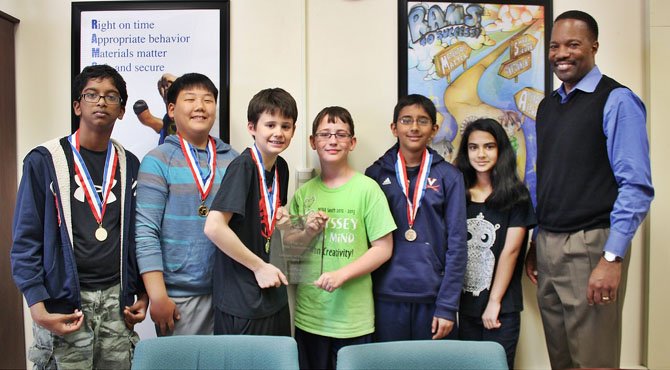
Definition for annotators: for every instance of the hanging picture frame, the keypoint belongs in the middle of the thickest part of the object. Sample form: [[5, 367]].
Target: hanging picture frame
[[150, 43], [476, 60]]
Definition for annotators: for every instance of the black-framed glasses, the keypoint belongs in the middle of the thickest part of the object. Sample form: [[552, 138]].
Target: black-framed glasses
[[340, 135], [94, 98], [421, 121]]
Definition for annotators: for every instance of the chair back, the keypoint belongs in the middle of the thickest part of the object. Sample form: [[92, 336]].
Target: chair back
[[423, 354], [216, 352]]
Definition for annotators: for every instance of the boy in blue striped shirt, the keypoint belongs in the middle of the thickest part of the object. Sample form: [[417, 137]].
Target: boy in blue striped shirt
[[176, 185]]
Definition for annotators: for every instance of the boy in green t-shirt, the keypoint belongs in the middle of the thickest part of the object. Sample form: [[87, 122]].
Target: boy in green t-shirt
[[337, 309]]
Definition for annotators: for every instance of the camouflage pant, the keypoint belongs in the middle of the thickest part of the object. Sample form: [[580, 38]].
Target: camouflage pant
[[102, 342]]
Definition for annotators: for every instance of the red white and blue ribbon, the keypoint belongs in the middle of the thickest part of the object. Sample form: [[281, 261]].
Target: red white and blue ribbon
[[269, 197], [98, 205], [204, 183], [414, 202]]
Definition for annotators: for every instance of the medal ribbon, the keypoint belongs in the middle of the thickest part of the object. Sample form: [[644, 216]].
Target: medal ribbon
[[269, 199], [98, 206], [414, 203], [203, 183]]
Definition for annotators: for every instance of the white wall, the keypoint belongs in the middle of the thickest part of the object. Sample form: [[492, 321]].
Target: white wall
[[659, 253], [267, 50], [324, 52], [352, 62]]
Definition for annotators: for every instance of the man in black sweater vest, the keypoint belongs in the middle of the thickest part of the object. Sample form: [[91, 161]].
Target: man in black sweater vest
[[593, 191]]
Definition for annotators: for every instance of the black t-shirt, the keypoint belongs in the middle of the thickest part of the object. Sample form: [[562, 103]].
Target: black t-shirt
[[412, 173], [236, 291], [487, 231], [98, 262]]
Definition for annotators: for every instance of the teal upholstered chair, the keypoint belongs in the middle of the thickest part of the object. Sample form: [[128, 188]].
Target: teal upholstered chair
[[216, 352], [423, 354]]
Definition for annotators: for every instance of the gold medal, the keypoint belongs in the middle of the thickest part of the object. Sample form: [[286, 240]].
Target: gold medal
[[101, 234], [410, 235], [202, 182], [203, 211], [267, 246], [94, 200]]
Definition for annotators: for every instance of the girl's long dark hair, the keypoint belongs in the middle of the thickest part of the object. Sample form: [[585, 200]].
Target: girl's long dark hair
[[508, 190]]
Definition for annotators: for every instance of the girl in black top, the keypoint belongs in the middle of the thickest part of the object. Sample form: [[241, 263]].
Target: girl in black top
[[500, 213]]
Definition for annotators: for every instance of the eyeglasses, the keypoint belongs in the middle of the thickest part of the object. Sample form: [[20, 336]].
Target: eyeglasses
[[94, 98], [421, 121], [340, 135]]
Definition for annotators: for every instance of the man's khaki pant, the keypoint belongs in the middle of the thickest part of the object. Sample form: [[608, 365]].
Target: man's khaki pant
[[577, 335]]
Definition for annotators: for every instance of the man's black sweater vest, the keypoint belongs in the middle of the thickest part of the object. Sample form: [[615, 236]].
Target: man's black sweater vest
[[576, 188]]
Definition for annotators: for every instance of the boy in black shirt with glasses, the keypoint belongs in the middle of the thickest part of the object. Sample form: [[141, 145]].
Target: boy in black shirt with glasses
[[73, 253]]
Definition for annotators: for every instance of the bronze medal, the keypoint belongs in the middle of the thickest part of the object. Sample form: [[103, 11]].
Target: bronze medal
[[101, 234], [413, 200], [410, 235], [203, 211]]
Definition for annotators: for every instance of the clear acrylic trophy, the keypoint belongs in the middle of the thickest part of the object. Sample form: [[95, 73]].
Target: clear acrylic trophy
[[296, 252]]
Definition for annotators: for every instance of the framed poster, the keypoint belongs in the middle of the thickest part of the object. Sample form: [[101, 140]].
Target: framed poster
[[151, 43], [477, 60]]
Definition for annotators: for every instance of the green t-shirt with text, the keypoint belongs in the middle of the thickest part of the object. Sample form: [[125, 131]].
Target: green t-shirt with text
[[358, 213]]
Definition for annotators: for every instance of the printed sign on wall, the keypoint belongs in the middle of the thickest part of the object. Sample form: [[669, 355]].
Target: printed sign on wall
[[151, 44]]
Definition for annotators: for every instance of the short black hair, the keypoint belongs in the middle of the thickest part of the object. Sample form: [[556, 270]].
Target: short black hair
[[99, 71], [334, 113], [272, 100], [415, 99], [190, 80], [579, 15]]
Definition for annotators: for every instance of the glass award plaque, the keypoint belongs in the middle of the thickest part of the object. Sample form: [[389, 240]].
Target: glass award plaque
[[296, 251]]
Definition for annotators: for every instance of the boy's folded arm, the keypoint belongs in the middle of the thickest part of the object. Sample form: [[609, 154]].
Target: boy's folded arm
[[163, 310], [218, 231], [302, 238], [297, 242], [155, 284], [59, 324], [137, 312], [28, 265], [27, 252], [152, 198], [456, 256], [379, 252]]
